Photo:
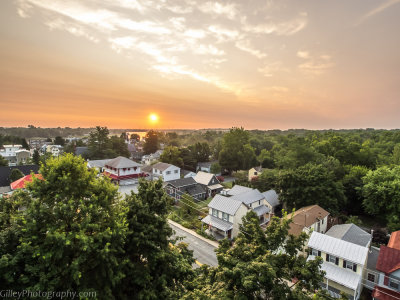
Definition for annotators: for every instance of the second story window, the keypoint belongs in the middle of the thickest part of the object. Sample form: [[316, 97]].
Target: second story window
[[225, 217], [176, 171], [168, 172], [350, 265], [393, 283], [315, 252], [371, 277], [215, 212], [332, 259]]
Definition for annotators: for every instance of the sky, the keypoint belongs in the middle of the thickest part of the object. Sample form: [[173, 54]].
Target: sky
[[200, 64]]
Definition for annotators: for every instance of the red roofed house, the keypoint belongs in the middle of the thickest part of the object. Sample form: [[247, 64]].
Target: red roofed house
[[123, 170], [21, 183], [388, 265]]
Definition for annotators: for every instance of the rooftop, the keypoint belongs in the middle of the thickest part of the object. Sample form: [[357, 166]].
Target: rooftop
[[272, 197], [162, 166], [346, 250], [225, 204], [388, 260], [305, 217], [122, 162], [203, 177], [217, 223], [181, 182], [394, 241], [238, 189], [350, 233], [249, 197]]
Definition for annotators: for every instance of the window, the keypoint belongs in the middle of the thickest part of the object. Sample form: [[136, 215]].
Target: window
[[322, 221], [176, 171], [371, 277], [350, 265], [259, 202], [168, 172], [333, 259], [315, 252], [394, 284], [225, 216], [215, 212]]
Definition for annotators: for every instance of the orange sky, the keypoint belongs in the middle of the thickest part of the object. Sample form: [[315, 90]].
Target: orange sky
[[200, 64]]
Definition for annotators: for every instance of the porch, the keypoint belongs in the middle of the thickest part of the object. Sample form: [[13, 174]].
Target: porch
[[218, 228]]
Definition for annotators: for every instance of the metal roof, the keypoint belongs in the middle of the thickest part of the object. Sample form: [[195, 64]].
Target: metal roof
[[249, 197], [217, 223], [343, 276], [346, 250], [162, 166], [181, 182], [350, 233], [204, 178], [215, 186], [238, 189], [225, 204], [260, 210], [272, 197], [122, 162]]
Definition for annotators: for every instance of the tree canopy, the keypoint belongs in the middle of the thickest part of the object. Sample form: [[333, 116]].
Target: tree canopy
[[151, 142]]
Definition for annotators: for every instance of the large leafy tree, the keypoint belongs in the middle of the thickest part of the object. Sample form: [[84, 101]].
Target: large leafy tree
[[172, 155], [36, 157], [15, 175], [381, 191], [70, 234], [3, 161], [353, 183], [97, 144], [236, 152], [151, 142], [200, 151], [308, 185], [260, 265], [156, 268]]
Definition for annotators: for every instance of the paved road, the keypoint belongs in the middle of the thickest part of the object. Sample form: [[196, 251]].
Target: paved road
[[203, 252]]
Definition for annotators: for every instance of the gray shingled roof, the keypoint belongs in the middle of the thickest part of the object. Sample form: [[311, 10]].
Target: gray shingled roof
[[161, 166], [98, 163], [350, 233], [272, 197], [249, 197], [181, 182], [238, 189], [225, 204], [260, 210], [373, 254], [122, 162]]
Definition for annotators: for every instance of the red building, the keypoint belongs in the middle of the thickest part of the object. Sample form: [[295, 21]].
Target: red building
[[123, 170]]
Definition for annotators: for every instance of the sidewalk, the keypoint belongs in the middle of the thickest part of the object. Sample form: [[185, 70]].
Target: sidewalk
[[212, 243]]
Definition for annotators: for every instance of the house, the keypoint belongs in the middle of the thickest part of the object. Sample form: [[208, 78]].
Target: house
[[177, 188], [123, 171], [187, 173], [388, 270], [310, 217], [166, 171], [21, 183], [272, 199], [37, 143], [210, 182], [80, 151], [255, 172], [22, 156], [98, 164], [206, 166], [343, 264], [150, 158], [6, 171], [225, 213], [55, 150], [9, 153]]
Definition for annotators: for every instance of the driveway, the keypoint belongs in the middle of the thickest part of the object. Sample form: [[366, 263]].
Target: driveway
[[203, 251]]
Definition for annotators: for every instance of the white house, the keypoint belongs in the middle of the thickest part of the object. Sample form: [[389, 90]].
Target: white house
[[55, 150], [206, 166], [166, 171], [150, 158], [123, 170], [9, 153], [343, 262], [226, 212]]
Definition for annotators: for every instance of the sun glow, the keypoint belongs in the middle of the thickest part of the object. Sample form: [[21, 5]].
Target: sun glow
[[153, 118]]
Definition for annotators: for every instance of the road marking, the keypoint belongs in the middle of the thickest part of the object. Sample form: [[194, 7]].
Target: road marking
[[198, 263]]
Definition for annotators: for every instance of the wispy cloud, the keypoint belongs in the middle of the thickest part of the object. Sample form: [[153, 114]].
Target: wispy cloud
[[245, 45], [314, 65], [377, 10]]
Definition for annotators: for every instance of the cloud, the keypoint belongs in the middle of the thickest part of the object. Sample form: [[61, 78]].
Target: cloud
[[316, 65], [377, 10], [245, 45], [217, 9], [271, 69], [303, 54]]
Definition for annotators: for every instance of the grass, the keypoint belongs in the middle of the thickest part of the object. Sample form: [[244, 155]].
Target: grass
[[227, 185]]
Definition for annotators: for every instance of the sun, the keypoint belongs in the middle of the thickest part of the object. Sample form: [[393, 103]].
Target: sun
[[153, 118]]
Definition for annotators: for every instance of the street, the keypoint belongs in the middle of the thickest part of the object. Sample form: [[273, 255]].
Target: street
[[203, 252]]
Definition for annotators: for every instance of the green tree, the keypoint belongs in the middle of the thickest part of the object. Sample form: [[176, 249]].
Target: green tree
[[236, 152], [201, 152], [36, 157], [156, 267], [59, 141], [381, 193], [151, 142], [97, 145], [308, 185], [172, 155], [260, 265], [215, 168], [15, 175], [396, 155], [135, 137], [116, 146], [353, 183], [354, 220], [70, 234], [3, 161]]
